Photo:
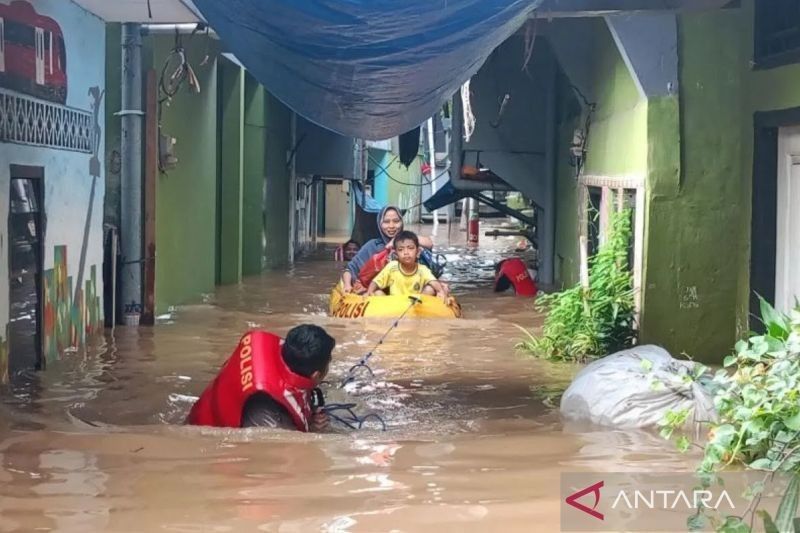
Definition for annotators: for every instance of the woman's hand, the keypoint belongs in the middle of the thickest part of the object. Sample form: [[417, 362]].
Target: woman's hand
[[347, 282], [426, 242]]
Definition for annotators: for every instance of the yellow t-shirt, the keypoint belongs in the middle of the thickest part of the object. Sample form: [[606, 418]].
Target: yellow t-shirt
[[401, 284]]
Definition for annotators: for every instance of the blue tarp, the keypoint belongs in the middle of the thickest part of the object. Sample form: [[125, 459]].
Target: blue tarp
[[364, 200], [370, 69], [446, 195]]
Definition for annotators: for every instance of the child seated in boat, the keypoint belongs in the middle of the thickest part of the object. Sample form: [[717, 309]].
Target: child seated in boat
[[405, 276]]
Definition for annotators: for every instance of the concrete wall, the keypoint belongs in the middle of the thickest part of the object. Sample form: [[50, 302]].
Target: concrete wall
[[693, 176], [74, 187], [231, 171], [697, 277], [765, 90], [255, 174], [223, 211], [186, 196], [276, 202], [406, 194], [567, 258], [396, 184], [694, 234], [690, 151], [617, 145], [618, 137], [514, 149]]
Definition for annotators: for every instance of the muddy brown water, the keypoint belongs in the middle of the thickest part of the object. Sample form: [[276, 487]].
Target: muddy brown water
[[474, 440]]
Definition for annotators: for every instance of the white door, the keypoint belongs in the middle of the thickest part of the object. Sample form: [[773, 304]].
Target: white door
[[40, 56], [787, 271], [337, 210]]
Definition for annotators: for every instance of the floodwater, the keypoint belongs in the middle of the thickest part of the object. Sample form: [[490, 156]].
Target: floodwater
[[474, 441]]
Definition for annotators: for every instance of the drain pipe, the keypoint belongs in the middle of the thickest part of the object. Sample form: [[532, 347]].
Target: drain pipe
[[131, 173]]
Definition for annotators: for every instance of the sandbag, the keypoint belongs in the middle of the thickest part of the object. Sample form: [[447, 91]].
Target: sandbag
[[635, 388]]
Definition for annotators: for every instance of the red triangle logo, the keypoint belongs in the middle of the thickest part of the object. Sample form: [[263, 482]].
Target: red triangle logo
[[572, 500]]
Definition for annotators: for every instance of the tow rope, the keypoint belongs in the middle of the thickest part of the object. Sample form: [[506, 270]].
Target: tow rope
[[349, 418], [364, 360], [343, 412]]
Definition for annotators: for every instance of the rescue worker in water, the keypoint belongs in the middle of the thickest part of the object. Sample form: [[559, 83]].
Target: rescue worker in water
[[269, 382]]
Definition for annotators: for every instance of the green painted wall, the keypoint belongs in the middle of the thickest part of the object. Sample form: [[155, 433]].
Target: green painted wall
[[697, 155], [617, 143], [767, 90], [213, 225], [186, 195], [402, 185], [618, 137], [407, 195], [567, 264], [693, 226], [276, 208], [231, 102], [255, 160]]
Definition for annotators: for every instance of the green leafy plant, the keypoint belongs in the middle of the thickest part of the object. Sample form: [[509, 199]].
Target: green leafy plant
[[584, 323], [757, 399]]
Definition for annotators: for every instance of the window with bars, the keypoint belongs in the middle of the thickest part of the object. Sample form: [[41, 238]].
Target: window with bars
[[777, 33]]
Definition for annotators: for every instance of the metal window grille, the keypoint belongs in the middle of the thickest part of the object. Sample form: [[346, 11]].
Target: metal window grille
[[777, 30]]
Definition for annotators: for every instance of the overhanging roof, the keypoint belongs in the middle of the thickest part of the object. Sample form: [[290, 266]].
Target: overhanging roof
[[163, 11]]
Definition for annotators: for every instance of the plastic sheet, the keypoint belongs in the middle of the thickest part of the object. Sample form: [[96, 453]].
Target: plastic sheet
[[370, 69], [635, 388]]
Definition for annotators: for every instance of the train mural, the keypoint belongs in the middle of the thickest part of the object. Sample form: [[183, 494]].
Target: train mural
[[33, 53]]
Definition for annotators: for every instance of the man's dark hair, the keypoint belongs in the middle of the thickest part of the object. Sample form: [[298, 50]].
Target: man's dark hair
[[406, 235], [351, 241], [307, 349]]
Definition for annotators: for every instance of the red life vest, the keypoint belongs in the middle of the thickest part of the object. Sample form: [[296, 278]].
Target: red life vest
[[513, 272], [256, 367], [373, 266]]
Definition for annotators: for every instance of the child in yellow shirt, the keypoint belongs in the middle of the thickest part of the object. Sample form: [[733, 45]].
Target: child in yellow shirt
[[406, 276]]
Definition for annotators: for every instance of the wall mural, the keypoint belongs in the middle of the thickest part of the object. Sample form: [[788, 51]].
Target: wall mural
[[68, 322], [34, 88], [33, 84], [35, 54]]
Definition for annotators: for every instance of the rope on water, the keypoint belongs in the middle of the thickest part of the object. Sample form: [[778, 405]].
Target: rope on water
[[349, 418], [364, 360], [343, 412]]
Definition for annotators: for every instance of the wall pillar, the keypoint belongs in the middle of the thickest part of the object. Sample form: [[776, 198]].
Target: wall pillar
[[232, 172]]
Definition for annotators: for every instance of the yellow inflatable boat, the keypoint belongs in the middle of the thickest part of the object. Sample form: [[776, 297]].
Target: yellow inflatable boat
[[354, 306]]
